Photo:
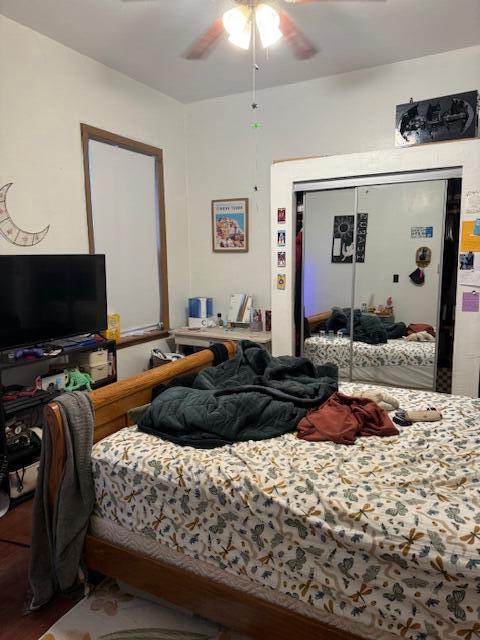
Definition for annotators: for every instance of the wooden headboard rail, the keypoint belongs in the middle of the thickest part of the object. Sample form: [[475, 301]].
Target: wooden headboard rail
[[111, 404]]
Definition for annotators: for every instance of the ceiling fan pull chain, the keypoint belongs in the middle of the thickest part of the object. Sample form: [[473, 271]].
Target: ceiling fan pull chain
[[255, 124]]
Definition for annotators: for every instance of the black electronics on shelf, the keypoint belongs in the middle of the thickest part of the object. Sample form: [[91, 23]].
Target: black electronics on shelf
[[21, 456]]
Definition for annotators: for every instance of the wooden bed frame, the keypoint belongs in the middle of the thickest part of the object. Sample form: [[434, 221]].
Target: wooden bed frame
[[214, 601], [317, 318]]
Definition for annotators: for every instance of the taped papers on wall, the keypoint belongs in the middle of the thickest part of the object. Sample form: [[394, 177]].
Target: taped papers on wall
[[470, 302], [473, 203], [470, 278], [469, 241]]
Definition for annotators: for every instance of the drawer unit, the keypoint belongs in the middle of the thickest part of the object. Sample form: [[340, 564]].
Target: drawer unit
[[97, 371], [93, 358]]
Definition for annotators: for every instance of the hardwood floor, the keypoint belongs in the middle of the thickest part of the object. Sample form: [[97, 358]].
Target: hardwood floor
[[15, 527]]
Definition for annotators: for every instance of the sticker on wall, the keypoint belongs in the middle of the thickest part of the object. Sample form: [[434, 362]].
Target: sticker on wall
[[342, 241], [421, 232], [281, 238], [362, 225], [281, 281], [470, 302], [476, 227], [469, 241], [281, 259], [281, 216], [10, 231]]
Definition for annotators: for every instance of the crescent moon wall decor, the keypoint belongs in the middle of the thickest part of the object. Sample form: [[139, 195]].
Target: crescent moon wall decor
[[10, 231]]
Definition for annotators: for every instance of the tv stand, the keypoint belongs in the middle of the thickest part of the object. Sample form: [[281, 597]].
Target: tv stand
[[27, 408]]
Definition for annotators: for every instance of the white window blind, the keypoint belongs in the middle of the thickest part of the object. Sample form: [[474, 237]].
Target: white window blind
[[125, 224]]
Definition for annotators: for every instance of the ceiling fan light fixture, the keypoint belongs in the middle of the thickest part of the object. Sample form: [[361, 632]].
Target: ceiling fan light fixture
[[268, 24], [238, 25]]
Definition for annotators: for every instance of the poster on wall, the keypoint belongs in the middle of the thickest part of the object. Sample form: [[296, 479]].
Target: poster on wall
[[230, 225], [281, 216], [446, 118], [362, 226], [470, 302], [467, 261], [470, 241], [342, 242], [281, 259]]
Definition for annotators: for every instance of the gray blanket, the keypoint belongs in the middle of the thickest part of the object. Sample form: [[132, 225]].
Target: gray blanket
[[57, 539]]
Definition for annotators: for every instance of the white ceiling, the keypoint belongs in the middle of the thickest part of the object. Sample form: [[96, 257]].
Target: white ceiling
[[144, 39]]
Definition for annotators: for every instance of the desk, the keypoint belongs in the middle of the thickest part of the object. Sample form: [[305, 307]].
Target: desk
[[204, 338]]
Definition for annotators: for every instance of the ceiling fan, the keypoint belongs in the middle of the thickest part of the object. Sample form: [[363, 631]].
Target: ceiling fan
[[239, 24]]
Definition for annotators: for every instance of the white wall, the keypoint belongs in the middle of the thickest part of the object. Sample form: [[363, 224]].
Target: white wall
[[325, 284], [335, 115], [392, 211], [47, 91]]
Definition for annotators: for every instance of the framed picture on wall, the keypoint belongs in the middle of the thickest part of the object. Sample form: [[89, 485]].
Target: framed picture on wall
[[230, 225]]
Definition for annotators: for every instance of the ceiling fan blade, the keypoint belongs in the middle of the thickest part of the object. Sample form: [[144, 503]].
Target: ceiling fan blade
[[301, 45], [205, 43]]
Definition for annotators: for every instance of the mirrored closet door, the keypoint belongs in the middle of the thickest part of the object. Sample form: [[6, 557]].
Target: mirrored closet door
[[372, 279], [397, 283], [328, 243]]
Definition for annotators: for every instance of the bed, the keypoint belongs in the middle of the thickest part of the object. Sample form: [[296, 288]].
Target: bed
[[397, 363], [289, 539]]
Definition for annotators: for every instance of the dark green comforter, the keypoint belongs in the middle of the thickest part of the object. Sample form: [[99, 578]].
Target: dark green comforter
[[366, 328], [253, 396]]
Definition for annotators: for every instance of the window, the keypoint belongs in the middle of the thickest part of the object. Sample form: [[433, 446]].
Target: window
[[126, 222]]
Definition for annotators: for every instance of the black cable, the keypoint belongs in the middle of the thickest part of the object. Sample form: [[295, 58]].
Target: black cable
[[17, 544]]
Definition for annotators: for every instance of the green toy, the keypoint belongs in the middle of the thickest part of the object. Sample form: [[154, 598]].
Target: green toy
[[77, 379]]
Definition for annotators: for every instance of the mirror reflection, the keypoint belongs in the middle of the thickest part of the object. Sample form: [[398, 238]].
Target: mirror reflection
[[372, 264]]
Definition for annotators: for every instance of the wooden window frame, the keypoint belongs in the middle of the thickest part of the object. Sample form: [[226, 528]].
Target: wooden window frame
[[99, 135]]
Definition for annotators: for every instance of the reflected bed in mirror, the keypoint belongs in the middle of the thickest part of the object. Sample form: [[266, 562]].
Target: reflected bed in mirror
[[400, 356], [398, 363]]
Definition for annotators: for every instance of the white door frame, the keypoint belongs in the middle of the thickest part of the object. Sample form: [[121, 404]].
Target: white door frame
[[461, 156]]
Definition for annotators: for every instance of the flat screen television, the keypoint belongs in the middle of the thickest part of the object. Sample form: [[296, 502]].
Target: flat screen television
[[48, 297]]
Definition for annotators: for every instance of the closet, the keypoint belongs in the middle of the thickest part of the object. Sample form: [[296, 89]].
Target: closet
[[373, 252]]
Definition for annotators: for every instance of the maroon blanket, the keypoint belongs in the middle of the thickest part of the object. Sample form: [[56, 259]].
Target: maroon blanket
[[342, 418]]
